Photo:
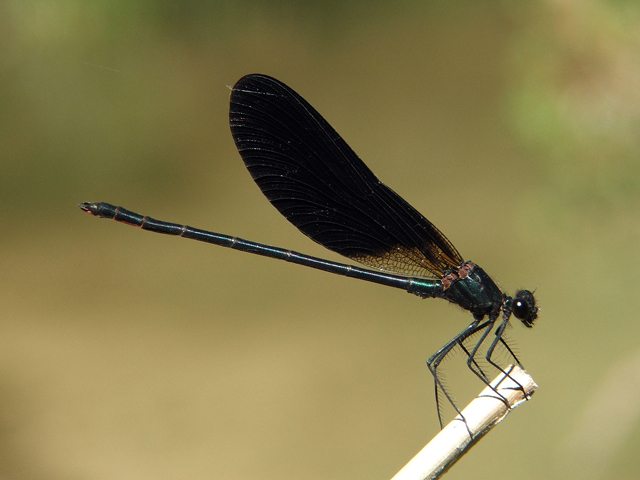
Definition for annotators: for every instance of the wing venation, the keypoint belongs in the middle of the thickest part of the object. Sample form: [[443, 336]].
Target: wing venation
[[318, 183]]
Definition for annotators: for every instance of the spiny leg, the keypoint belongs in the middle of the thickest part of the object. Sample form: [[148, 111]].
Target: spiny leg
[[471, 360], [499, 338], [508, 349], [476, 364], [471, 356], [434, 362]]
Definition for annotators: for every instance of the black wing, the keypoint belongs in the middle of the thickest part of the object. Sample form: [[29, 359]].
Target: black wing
[[310, 174]]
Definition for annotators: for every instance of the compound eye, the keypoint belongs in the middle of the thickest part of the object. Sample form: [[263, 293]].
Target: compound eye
[[521, 309]]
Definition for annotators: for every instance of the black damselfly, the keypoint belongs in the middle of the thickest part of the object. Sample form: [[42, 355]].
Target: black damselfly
[[310, 174]]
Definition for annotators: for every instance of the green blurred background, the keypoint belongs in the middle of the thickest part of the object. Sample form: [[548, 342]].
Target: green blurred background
[[513, 126]]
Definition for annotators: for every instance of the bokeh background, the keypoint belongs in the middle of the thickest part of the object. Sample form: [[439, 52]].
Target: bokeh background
[[513, 126]]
